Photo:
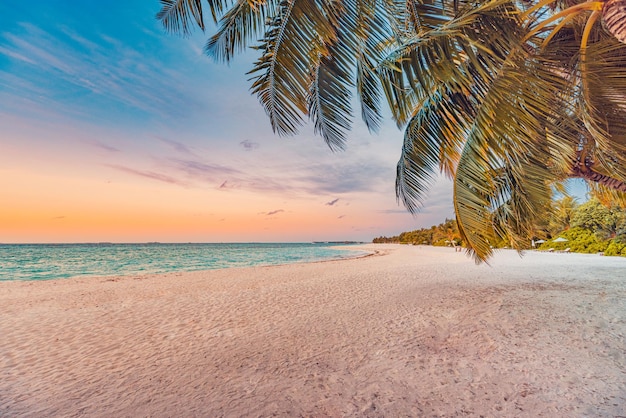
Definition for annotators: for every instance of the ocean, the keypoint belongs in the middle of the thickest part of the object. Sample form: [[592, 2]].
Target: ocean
[[58, 261]]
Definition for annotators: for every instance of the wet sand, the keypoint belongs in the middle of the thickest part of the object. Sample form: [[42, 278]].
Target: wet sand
[[411, 331]]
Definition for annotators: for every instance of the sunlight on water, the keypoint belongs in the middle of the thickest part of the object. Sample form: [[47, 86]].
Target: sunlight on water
[[55, 261]]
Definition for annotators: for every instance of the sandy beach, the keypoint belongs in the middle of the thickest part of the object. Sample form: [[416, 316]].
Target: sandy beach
[[410, 331]]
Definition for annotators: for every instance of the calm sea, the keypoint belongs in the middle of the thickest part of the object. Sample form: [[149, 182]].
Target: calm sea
[[56, 261]]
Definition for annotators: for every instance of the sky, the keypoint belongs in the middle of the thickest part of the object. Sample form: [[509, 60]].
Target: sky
[[113, 130]]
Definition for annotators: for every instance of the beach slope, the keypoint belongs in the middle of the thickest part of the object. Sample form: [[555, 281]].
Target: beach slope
[[410, 331]]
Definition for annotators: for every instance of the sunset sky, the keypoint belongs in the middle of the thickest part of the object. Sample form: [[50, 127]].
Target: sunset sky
[[113, 130]]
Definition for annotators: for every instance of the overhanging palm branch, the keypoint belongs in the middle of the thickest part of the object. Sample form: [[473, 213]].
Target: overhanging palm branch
[[329, 99], [243, 23], [314, 55], [505, 101], [476, 121]]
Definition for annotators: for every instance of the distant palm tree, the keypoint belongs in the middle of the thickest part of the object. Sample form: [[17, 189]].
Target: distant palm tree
[[561, 214], [505, 99]]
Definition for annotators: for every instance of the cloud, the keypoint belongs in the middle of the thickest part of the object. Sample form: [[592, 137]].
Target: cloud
[[75, 37], [175, 145], [149, 174], [292, 178], [17, 56], [394, 211], [84, 69], [104, 146], [274, 212], [202, 171], [345, 177], [196, 170], [249, 145], [341, 216]]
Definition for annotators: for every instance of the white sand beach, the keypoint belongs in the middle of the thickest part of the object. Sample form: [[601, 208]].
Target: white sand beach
[[412, 331]]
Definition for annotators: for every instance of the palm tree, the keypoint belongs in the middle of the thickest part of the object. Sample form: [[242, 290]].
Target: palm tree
[[511, 114], [504, 99], [560, 216]]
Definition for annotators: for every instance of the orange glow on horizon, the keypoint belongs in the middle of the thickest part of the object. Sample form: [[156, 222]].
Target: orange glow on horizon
[[56, 209]]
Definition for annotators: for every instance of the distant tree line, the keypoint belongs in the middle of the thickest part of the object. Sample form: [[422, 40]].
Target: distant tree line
[[590, 227], [444, 234]]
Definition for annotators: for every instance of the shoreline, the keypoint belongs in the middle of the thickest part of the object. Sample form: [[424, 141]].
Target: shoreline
[[188, 264], [415, 331]]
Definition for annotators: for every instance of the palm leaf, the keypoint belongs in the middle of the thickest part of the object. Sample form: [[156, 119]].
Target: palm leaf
[[432, 142], [178, 16], [429, 14], [423, 61], [608, 196], [329, 100], [605, 82], [295, 40], [243, 23], [502, 177], [372, 32]]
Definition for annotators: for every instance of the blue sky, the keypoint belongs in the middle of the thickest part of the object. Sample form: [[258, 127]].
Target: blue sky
[[114, 130]]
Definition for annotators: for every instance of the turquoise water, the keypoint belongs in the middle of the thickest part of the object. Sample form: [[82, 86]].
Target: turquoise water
[[57, 261]]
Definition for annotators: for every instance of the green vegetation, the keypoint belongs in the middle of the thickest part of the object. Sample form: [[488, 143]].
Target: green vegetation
[[593, 228], [507, 98], [587, 228], [444, 234]]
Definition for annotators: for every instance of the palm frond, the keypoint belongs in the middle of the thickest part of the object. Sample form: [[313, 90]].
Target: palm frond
[[409, 72], [295, 40], [431, 14], [502, 180], [433, 140], [608, 196], [605, 83], [329, 100], [596, 110], [480, 36], [395, 10], [242, 24], [178, 16], [369, 92], [372, 32]]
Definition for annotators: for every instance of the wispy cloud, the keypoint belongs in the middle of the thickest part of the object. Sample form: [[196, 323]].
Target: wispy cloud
[[62, 60], [249, 145], [295, 180], [77, 38], [274, 212], [16, 55], [351, 176], [204, 172], [175, 145], [393, 211], [148, 174], [102, 145]]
